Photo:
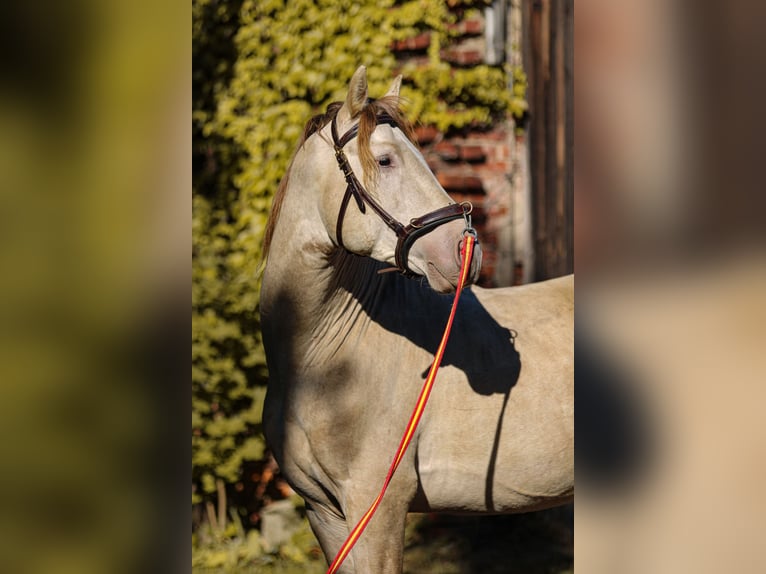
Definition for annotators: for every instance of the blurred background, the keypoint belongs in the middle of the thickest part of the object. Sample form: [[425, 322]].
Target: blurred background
[[669, 197], [94, 210]]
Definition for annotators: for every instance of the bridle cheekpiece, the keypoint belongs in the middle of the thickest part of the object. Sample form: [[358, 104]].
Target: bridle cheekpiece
[[406, 234]]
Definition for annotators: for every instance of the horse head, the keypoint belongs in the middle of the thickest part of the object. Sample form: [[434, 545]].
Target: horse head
[[393, 209]]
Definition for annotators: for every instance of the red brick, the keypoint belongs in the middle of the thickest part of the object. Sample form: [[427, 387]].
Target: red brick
[[494, 166], [414, 44], [447, 151], [473, 182], [450, 182], [426, 134], [472, 153], [472, 27], [462, 57], [460, 183]]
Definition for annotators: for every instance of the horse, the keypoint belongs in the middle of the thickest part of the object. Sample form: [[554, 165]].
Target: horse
[[348, 344]]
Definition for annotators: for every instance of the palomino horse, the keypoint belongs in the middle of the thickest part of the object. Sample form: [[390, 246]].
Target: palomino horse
[[348, 347]]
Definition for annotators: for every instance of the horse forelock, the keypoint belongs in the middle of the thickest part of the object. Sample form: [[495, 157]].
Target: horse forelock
[[368, 121]]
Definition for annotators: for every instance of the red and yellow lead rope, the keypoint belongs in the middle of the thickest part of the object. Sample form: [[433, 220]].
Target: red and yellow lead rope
[[417, 413]]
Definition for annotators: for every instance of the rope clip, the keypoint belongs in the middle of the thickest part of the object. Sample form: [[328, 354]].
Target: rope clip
[[469, 229]]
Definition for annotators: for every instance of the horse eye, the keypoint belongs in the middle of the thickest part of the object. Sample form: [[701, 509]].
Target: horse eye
[[384, 161]]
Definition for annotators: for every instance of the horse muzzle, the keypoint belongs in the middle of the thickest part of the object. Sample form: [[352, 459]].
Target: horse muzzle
[[438, 254]]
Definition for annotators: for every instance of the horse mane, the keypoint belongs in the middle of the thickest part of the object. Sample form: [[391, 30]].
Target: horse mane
[[388, 105]]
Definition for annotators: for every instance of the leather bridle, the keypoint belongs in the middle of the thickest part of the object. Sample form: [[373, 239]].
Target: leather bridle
[[406, 234]]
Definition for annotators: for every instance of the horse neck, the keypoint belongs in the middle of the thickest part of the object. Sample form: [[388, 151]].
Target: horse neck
[[322, 289], [327, 295], [325, 292]]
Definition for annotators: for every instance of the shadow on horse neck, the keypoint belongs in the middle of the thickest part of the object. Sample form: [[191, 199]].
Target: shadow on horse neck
[[478, 346], [482, 349]]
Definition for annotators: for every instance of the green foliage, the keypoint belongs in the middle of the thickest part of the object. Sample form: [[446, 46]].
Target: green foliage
[[456, 98], [518, 105], [261, 69], [238, 551]]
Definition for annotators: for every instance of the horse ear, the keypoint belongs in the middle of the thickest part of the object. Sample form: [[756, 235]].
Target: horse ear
[[356, 97], [393, 89]]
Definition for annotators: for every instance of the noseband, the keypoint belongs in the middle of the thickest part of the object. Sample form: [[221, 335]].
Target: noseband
[[406, 234]]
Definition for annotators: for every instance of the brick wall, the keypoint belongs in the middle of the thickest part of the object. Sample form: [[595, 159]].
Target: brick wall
[[474, 164]]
